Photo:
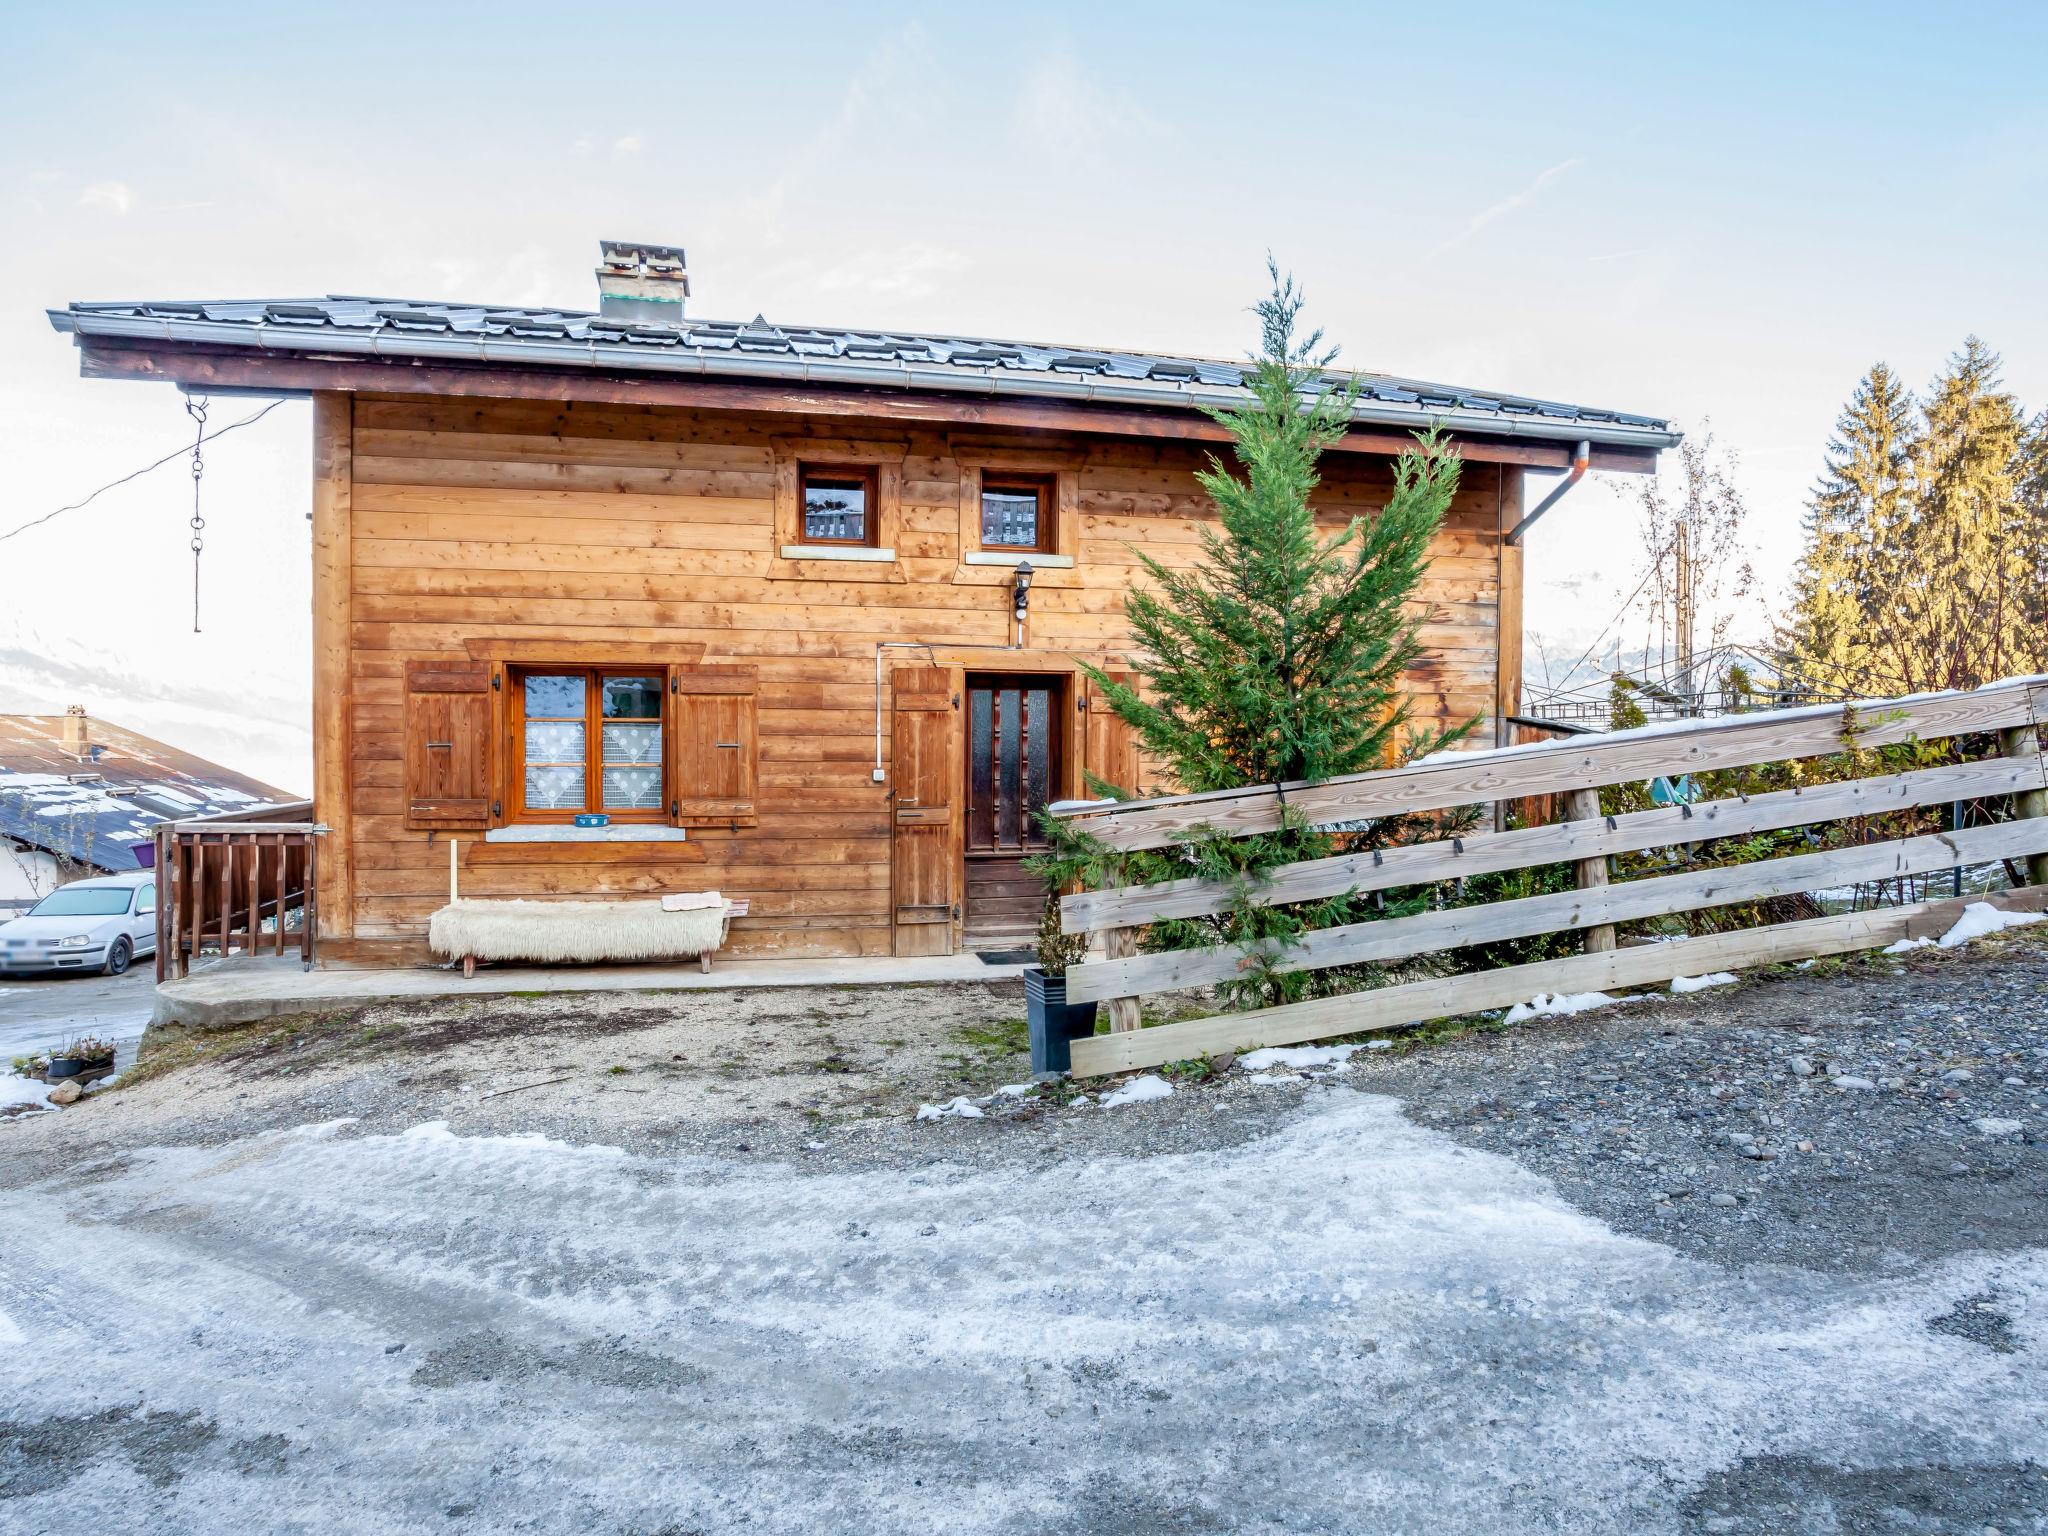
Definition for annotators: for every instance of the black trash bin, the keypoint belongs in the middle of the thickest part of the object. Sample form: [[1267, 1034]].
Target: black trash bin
[[1055, 1022]]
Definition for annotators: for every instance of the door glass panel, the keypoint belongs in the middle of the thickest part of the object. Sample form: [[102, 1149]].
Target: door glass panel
[[981, 824], [1007, 795], [632, 698], [551, 696], [145, 898], [1037, 762], [632, 788]]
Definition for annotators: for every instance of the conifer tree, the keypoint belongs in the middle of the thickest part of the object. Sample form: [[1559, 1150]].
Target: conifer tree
[[1858, 524], [1927, 540], [1970, 535], [1280, 654]]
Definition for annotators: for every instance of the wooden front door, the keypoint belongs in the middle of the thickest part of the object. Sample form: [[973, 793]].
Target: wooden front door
[[923, 776], [1015, 732]]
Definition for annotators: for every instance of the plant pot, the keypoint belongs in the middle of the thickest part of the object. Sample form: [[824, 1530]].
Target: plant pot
[[64, 1066], [1055, 1022]]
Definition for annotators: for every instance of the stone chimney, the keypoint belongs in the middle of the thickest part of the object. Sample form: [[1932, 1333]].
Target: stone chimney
[[77, 735], [644, 283]]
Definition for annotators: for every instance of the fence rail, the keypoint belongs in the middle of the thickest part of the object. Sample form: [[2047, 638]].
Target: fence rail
[[1573, 770], [244, 882]]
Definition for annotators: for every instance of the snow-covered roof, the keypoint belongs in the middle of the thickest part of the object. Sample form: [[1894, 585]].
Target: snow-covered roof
[[100, 806]]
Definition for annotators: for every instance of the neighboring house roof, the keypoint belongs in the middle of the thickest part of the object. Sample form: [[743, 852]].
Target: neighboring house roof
[[757, 350], [99, 807]]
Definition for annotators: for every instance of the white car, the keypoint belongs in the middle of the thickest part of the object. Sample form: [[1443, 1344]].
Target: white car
[[88, 925]]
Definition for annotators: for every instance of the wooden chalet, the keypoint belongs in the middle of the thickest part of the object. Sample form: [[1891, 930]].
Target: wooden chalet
[[799, 608]]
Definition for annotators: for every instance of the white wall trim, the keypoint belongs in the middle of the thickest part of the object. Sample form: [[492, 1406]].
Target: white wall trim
[[1016, 557], [625, 832], [836, 552]]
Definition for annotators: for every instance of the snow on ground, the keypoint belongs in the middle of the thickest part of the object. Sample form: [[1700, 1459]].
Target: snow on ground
[[1683, 984], [20, 1090], [1298, 1056], [1138, 1090], [1902, 947], [1549, 1004], [432, 1332], [960, 1108], [1980, 918]]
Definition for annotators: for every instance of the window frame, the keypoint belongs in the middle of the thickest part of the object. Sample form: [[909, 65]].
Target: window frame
[[593, 676], [1043, 484], [871, 518]]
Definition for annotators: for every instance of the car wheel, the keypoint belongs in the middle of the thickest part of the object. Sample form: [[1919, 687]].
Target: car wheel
[[119, 956]]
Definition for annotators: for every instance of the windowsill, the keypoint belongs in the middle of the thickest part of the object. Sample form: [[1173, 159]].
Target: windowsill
[[837, 552], [630, 833], [1016, 557]]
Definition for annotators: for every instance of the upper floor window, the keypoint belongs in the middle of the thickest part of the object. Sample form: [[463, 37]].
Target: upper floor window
[[838, 505], [1016, 512]]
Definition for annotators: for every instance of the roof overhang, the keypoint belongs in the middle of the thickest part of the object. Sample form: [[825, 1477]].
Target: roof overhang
[[224, 357]]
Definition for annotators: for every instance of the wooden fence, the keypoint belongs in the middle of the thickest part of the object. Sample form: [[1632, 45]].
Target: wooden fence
[[1574, 770], [243, 882]]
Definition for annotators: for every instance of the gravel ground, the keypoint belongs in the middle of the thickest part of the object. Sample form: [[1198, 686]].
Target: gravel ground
[[1887, 1112], [689, 1262]]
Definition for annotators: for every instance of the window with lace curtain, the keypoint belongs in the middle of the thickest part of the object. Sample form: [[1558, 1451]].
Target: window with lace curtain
[[588, 740]]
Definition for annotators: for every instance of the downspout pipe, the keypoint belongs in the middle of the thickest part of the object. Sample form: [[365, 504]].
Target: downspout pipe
[[1582, 459]]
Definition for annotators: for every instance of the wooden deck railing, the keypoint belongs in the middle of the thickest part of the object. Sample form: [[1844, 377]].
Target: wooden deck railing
[[239, 883], [1574, 770]]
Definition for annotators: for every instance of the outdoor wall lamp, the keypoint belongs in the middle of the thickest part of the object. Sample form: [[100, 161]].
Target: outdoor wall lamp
[[1021, 595]]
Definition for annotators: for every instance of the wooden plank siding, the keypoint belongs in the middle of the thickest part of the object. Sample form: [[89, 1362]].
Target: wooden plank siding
[[442, 522]]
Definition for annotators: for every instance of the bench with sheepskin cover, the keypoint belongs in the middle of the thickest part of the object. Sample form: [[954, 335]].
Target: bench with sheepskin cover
[[676, 927]]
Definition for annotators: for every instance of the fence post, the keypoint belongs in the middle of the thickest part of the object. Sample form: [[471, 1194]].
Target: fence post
[[2025, 741], [1584, 805], [165, 912], [1121, 944]]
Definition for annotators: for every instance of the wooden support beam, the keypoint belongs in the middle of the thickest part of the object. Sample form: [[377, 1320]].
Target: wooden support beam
[[1125, 1013], [1584, 805], [1595, 905], [1447, 997], [333, 695], [2029, 743], [1487, 853]]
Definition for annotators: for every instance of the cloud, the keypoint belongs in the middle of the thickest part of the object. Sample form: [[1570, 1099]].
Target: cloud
[[107, 194], [889, 81], [1508, 205], [909, 271], [1062, 110], [626, 145]]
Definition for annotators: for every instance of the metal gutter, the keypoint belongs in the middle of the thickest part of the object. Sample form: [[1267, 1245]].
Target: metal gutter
[[386, 341], [1582, 458]]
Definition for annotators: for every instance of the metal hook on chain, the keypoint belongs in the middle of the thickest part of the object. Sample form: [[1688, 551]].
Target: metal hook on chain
[[196, 409]]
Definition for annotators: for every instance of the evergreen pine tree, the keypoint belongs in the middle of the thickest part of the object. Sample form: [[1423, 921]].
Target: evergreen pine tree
[[1966, 612], [1926, 540], [1858, 524], [1280, 655]]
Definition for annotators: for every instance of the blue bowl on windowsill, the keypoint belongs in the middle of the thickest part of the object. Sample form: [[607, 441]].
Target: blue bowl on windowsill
[[593, 819]]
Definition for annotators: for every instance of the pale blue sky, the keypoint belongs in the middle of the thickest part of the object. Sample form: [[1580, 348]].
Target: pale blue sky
[[1725, 214]]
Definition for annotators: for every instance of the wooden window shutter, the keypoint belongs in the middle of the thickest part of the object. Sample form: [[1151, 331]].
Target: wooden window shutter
[[1109, 748], [448, 744], [714, 746]]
